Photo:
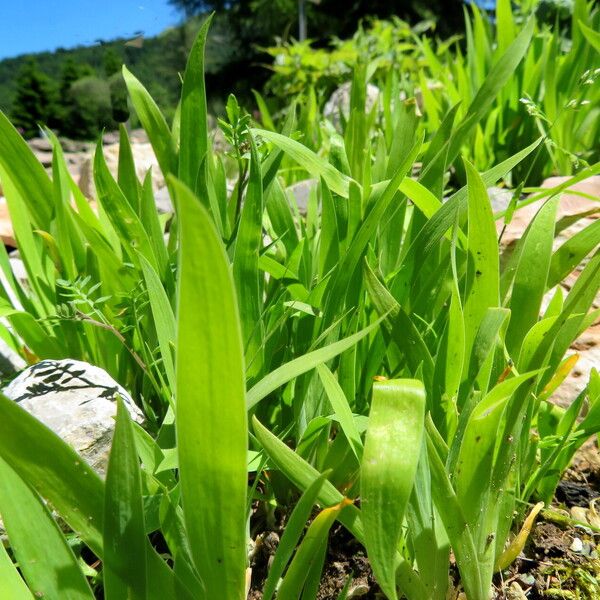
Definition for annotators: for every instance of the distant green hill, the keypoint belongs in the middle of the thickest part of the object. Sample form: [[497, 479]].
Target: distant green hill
[[157, 63]]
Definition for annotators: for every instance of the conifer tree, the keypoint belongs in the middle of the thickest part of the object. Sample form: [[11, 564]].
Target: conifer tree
[[35, 100]]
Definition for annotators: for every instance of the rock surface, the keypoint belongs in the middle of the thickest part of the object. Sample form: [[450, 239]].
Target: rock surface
[[77, 401], [300, 193], [339, 102]]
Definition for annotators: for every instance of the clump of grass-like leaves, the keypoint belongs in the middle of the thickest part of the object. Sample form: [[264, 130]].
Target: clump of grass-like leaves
[[244, 311]]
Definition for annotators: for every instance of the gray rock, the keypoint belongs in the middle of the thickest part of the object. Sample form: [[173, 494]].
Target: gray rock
[[162, 199], [111, 137], [40, 144], [75, 146], [339, 101], [45, 157], [77, 401], [138, 136], [499, 198], [300, 192]]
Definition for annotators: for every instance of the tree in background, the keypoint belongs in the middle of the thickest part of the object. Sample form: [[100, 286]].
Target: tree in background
[[262, 20], [35, 100], [71, 72], [195, 7], [92, 108], [252, 24], [113, 63]]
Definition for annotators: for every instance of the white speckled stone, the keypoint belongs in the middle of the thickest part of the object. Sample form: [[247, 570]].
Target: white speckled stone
[[77, 401]]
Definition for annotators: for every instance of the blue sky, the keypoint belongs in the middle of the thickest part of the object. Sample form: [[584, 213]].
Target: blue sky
[[37, 25]]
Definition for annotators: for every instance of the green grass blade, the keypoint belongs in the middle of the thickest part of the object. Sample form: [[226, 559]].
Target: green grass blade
[[210, 397], [531, 275], [301, 365], [164, 319], [302, 475], [483, 278], [496, 79], [12, 584], [402, 330], [34, 255], [155, 231], [572, 252], [62, 477], [428, 238], [265, 115], [126, 174], [475, 462], [122, 216], [291, 534], [124, 530], [309, 551], [44, 556], [25, 172], [484, 344], [351, 260], [388, 470], [315, 165], [193, 131], [153, 122], [72, 487], [457, 528], [505, 25], [341, 409], [245, 266], [313, 579], [592, 36]]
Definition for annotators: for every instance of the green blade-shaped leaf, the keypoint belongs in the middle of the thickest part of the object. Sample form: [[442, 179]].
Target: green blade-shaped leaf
[[12, 584], [483, 278], [211, 413], [163, 316], [301, 365], [25, 172], [291, 534], [315, 165], [532, 273], [48, 564], [126, 175], [122, 216], [428, 238], [193, 127], [457, 528], [496, 79], [388, 469], [572, 252], [245, 265], [61, 476], [153, 122], [308, 552], [341, 409], [302, 475], [124, 530]]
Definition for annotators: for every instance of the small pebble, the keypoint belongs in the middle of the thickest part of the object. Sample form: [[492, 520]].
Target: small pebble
[[577, 545], [579, 514], [358, 590], [527, 579]]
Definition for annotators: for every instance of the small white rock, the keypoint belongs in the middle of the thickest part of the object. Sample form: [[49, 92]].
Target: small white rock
[[77, 401], [577, 545]]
